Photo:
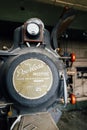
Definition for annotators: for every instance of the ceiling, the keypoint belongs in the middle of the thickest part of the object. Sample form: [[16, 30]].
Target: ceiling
[[77, 4], [48, 11]]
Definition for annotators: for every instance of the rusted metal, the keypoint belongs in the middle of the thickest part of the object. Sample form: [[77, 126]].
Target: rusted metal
[[39, 121]]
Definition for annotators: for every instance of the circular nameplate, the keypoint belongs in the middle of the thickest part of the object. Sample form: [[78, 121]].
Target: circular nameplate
[[32, 78]]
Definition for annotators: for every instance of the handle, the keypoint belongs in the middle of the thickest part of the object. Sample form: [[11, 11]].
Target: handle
[[65, 90]]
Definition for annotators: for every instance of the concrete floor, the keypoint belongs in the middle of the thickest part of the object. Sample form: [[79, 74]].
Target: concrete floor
[[73, 120]]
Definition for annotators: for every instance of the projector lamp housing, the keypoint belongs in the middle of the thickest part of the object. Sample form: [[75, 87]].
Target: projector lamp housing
[[32, 77]]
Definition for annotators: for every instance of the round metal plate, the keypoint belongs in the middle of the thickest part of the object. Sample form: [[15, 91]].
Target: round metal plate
[[32, 78]]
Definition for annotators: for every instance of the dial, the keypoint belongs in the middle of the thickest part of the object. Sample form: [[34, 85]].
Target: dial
[[33, 29], [32, 78]]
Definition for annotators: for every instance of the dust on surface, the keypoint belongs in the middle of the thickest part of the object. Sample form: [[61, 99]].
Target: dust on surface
[[73, 120]]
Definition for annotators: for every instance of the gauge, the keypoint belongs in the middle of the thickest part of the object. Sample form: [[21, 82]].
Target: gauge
[[37, 21], [33, 29]]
